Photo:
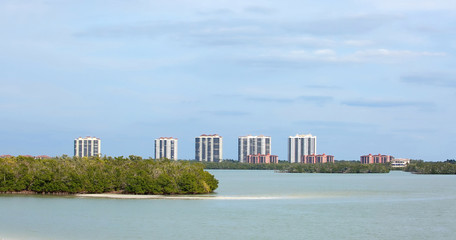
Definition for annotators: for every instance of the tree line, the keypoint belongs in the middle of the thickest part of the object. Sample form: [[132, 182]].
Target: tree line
[[421, 167], [336, 167], [132, 175]]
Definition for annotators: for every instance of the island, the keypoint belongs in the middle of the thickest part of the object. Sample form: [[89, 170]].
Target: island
[[119, 175]]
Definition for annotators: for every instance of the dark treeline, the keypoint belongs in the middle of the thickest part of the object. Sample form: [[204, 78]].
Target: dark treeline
[[340, 167], [421, 167], [337, 167], [131, 175], [230, 164]]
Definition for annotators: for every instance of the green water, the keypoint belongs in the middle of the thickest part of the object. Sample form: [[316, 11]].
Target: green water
[[252, 205]]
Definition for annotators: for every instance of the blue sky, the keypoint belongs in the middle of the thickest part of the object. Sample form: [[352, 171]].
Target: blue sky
[[371, 76]]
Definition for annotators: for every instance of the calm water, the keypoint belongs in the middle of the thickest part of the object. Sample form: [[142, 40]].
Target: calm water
[[252, 205]]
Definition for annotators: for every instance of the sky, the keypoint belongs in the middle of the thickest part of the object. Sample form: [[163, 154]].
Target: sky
[[364, 76]]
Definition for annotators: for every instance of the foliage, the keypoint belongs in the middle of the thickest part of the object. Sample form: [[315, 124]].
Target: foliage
[[244, 166], [337, 167], [419, 166], [340, 167], [451, 161], [99, 175]]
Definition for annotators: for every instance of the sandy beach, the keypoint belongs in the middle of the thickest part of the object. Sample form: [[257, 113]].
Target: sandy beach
[[184, 197]]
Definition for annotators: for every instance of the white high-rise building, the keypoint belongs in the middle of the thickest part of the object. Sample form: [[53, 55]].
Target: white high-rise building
[[300, 145], [166, 147], [87, 147], [209, 148], [253, 145]]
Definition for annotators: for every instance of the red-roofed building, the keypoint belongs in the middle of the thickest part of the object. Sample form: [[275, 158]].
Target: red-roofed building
[[369, 159], [262, 158], [313, 158]]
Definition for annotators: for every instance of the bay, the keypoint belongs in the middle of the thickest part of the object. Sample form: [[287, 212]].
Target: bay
[[251, 205]]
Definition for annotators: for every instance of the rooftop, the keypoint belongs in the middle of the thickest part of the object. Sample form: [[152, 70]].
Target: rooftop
[[302, 136], [213, 135]]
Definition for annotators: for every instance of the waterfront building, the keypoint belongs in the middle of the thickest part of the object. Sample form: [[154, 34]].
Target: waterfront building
[[262, 158], [400, 162], [323, 158], [87, 147], [166, 147], [301, 145], [369, 159], [209, 148], [252, 145]]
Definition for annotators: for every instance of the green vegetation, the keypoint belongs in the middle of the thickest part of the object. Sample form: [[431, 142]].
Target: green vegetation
[[421, 167], [230, 164], [340, 167], [337, 167], [131, 175]]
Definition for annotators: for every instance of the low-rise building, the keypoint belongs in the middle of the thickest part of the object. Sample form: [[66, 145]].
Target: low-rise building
[[262, 158], [313, 158], [369, 159], [400, 162]]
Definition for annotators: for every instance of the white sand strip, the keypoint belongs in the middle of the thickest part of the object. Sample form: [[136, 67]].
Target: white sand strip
[[189, 197]]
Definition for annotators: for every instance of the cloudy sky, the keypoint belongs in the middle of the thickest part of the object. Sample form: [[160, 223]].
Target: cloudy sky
[[364, 76]]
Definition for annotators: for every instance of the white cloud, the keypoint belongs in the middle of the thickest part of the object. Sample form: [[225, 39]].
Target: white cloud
[[358, 43], [330, 55], [325, 52], [413, 5], [372, 53], [230, 30], [305, 40], [22, 7]]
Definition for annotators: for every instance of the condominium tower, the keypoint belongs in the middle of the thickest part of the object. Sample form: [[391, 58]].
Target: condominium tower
[[87, 147], [209, 148], [300, 145], [253, 145], [166, 147]]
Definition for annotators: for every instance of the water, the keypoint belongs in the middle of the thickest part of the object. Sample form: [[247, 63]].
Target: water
[[252, 205]]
